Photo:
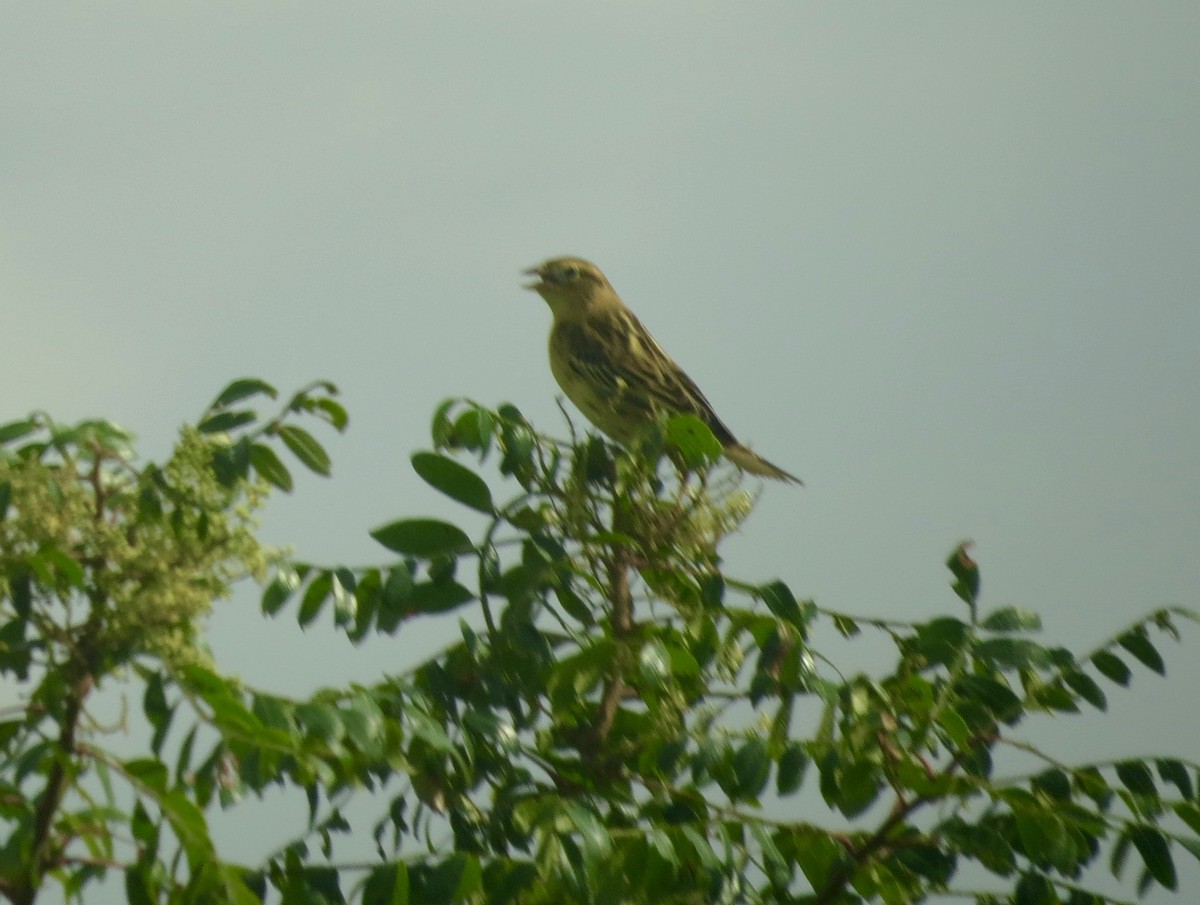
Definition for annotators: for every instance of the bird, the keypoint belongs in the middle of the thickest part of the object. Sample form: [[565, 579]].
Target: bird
[[614, 371]]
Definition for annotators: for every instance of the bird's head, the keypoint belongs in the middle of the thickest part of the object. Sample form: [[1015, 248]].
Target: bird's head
[[570, 286]]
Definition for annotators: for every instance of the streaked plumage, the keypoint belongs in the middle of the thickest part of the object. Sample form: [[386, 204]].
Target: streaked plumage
[[610, 366]]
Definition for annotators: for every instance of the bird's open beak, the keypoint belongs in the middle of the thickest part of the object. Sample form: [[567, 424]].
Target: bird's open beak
[[537, 284]]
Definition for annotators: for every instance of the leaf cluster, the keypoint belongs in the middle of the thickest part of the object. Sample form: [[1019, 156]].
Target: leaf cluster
[[620, 719]]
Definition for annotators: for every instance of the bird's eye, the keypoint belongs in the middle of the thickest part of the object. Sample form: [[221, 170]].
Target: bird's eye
[[570, 272]]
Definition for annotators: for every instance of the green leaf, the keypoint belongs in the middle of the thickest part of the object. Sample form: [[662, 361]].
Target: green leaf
[[242, 389], [792, 764], [270, 467], [305, 448], [314, 598], [1189, 814], [395, 597], [1112, 667], [454, 480], [320, 721], [147, 772], [1174, 771], [5, 497], [282, 586], [423, 537], [780, 601], [15, 430], [1044, 837], [990, 693], [752, 767], [597, 844], [429, 731], [1136, 777], [940, 640], [1084, 686], [1034, 889], [438, 597], [694, 440], [387, 884], [1152, 845], [331, 411], [230, 463], [223, 422], [966, 574], [1015, 653], [1138, 644], [1012, 619]]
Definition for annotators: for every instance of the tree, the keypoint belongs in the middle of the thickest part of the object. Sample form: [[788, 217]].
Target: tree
[[618, 723]]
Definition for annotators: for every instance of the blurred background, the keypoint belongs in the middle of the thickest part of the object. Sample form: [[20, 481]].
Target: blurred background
[[941, 260]]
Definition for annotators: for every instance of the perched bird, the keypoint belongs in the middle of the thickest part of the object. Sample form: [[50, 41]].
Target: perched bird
[[610, 366]]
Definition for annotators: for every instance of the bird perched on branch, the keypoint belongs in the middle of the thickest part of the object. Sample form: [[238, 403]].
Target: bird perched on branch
[[610, 366]]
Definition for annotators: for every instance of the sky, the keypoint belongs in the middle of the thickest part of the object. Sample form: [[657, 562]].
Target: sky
[[940, 260]]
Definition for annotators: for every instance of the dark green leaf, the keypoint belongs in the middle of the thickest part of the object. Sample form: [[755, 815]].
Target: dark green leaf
[[15, 430], [1034, 889], [994, 695], [333, 412], [792, 764], [752, 767], [1015, 653], [438, 597], [423, 537], [1044, 837], [1156, 853], [320, 721], [966, 574], [780, 601], [305, 448], [231, 463], [282, 586], [222, 422], [1174, 771], [395, 598], [1084, 686], [270, 467], [241, 389], [573, 605], [314, 598], [1138, 644], [387, 885], [940, 640], [454, 480], [1112, 667], [21, 590], [1189, 814], [5, 497], [1136, 777]]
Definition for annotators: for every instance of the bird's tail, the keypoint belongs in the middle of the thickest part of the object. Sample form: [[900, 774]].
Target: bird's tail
[[750, 461]]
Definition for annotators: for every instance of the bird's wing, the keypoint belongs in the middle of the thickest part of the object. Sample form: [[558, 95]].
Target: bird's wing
[[619, 353]]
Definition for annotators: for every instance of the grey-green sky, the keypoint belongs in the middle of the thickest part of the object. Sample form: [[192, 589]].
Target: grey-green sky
[[942, 260]]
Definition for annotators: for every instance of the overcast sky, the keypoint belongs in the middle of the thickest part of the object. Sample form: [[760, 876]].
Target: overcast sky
[[941, 260]]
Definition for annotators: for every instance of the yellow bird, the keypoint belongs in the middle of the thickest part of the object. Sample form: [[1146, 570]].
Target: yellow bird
[[610, 366]]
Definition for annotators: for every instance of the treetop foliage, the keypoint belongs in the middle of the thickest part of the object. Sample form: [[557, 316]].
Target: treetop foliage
[[620, 719]]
